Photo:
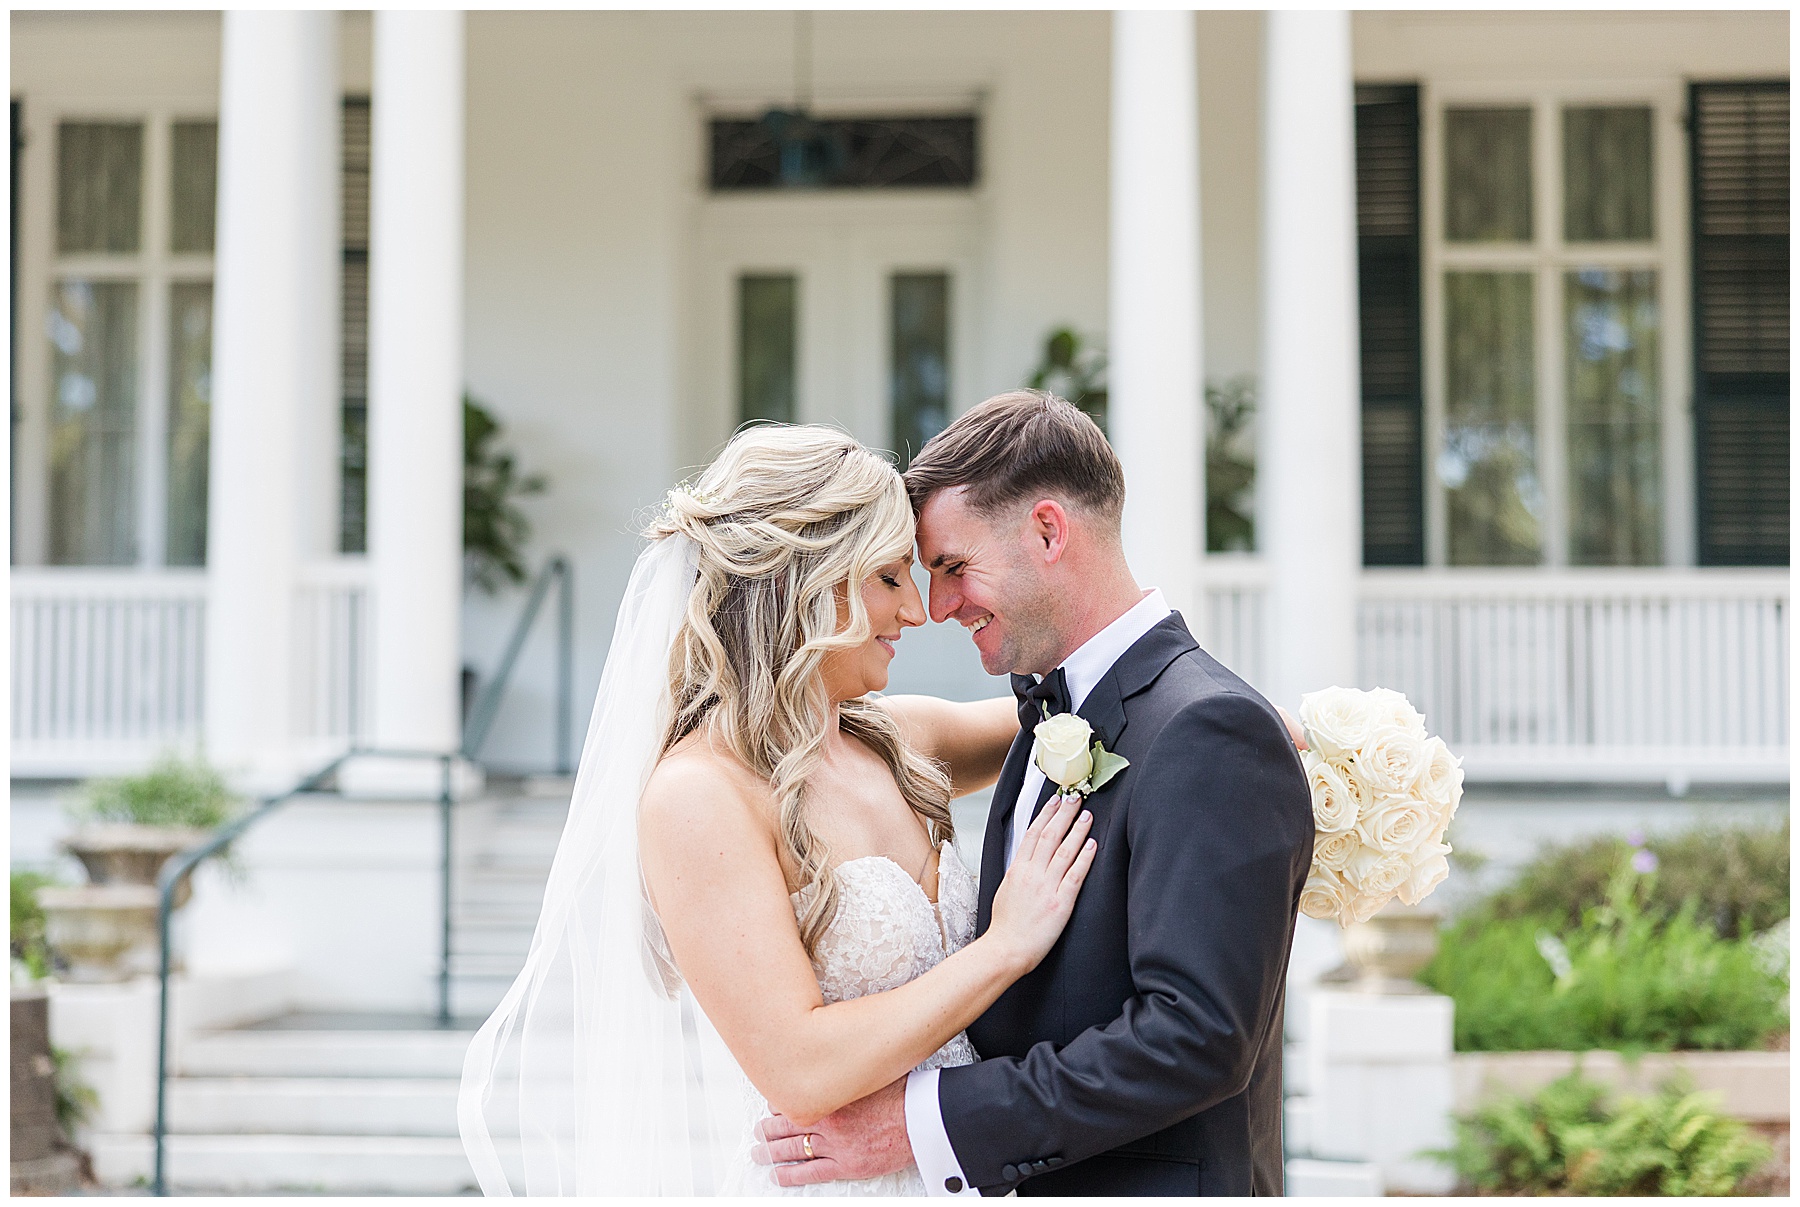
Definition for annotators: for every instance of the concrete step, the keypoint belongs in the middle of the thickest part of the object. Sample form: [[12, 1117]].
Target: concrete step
[[500, 888], [512, 860], [272, 1053], [271, 1164], [476, 996], [485, 965], [481, 936], [309, 1106]]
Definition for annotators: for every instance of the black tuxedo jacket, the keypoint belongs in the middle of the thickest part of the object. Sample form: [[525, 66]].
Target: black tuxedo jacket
[[1143, 1056]]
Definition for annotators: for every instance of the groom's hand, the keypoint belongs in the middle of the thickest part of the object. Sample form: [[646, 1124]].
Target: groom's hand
[[863, 1140]]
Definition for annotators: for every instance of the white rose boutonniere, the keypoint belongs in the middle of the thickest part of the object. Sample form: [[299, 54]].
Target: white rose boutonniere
[[1065, 750]]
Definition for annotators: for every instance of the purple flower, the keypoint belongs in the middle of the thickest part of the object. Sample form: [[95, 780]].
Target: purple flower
[[1644, 862], [1635, 837]]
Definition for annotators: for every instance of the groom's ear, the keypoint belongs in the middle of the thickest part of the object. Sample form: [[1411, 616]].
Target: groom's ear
[[1048, 525]]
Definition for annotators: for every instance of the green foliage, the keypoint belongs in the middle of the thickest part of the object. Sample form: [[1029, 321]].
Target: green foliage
[[28, 945], [1737, 878], [1230, 466], [1568, 1139], [75, 1099], [495, 530], [174, 792], [1070, 370], [1626, 977]]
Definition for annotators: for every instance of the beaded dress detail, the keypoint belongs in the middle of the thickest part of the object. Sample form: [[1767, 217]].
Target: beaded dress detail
[[885, 933]]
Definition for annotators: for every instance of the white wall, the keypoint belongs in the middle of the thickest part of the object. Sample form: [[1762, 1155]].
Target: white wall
[[1538, 45], [584, 196]]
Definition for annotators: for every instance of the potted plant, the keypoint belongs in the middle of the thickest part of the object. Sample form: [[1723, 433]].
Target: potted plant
[[129, 827]]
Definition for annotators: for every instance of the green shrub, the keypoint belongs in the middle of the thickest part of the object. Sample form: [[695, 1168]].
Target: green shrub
[[174, 792], [1624, 978], [1737, 877], [1568, 1139], [76, 1100], [28, 946]]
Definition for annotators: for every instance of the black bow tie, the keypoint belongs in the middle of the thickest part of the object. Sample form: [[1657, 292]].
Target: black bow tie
[[1034, 696]]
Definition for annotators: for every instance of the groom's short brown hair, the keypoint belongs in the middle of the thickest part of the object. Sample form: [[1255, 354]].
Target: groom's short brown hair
[[1024, 444]]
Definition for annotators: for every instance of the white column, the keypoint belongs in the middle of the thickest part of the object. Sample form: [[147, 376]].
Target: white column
[[1154, 383], [415, 377], [274, 366], [1309, 432]]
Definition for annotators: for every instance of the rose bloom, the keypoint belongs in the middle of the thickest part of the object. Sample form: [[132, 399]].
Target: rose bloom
[[1396, 823], [1334, 850], [1061, 747], [1325, 894], [1364, 906], [1441, 782], [1389, 707], [1337, 721], [1392, 759], [1377, 873], [1430, 867], [1336, 800]]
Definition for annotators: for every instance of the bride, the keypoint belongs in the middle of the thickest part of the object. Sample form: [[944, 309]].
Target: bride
[[756, 906]]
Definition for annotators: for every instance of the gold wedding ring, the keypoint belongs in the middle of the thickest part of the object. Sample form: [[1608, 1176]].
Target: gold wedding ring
[[806, 1145]]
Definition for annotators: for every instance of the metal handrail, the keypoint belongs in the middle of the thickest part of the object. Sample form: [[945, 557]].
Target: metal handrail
[[487, 704], [184, 863]]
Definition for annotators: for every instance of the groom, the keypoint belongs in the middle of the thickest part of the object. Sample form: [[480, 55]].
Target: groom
[[1143, 1056]]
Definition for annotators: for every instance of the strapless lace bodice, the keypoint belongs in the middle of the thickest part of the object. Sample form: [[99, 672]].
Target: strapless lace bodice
[[885, 932]]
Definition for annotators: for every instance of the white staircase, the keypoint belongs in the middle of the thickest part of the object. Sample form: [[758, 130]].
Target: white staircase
[[340, 1104], [499, 891]]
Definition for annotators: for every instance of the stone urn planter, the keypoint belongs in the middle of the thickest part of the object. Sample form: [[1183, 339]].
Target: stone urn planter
[[125, 853], [103, 932], [1383, 954]]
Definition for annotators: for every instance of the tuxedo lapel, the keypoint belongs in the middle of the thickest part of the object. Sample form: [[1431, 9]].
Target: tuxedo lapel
[[1104, 709], [993, 843]]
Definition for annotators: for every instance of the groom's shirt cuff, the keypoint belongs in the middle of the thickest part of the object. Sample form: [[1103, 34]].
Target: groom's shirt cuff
[[930, 1142]]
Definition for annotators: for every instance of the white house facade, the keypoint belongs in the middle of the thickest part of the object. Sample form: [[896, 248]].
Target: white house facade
[[1532, 265], [1508, 292]]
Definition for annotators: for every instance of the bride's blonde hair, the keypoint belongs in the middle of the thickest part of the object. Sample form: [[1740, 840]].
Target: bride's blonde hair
[[789, 522]]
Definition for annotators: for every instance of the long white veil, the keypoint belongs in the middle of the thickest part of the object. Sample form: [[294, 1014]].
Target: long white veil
[[597, 1064]]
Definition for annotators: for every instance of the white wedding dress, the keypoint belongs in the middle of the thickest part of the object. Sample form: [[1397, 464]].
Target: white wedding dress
[[885, 933]]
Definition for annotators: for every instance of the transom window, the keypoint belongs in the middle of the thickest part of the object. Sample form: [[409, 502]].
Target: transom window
[[1548, 265], [128, 322]]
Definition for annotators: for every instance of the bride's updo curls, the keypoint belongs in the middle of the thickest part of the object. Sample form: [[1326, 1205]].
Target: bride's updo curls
[[790, 521]]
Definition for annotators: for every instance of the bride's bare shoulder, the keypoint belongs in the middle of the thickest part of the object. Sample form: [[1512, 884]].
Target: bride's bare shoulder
[[699, 787]]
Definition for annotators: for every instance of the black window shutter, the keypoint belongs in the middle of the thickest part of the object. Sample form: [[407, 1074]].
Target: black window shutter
[[1393, 403], [1738, 138]]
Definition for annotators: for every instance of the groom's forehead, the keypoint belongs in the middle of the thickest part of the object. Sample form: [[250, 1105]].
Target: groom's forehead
[[949, 530]]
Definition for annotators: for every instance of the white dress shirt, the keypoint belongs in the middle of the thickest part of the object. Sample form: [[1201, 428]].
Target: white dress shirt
[[1082, 671]]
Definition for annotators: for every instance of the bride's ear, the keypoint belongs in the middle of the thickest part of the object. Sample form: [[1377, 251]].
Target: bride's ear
[[1048, 524]]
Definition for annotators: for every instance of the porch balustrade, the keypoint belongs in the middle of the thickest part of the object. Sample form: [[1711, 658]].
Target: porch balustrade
[[109, 668], [1597, 675]]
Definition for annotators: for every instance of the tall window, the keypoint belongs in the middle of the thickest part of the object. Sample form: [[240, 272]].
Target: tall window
[[919, 349], [129, 324], [353, 499], [1550, 263], [768, 326]]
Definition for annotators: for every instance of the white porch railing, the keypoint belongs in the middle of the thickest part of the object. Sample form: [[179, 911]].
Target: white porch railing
[[109, 667], [332, 625], [1650, 675]]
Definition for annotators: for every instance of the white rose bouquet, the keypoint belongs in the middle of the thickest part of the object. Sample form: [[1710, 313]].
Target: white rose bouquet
[[1383, 793]]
